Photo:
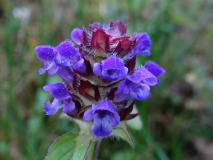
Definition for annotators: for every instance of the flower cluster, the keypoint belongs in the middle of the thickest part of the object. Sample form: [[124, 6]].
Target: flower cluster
[[100, 79]]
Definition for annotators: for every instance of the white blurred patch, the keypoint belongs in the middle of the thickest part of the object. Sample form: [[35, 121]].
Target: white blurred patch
[[22, 13], [136, 122]]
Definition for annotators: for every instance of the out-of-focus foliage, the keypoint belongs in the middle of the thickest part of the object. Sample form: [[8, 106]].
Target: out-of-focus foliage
[[177, 120]]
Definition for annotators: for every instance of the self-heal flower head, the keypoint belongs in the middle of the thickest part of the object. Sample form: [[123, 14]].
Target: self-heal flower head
[[100, 81], [104, 117]]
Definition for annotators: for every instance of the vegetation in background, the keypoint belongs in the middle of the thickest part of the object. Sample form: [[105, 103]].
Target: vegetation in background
[[177, 120]]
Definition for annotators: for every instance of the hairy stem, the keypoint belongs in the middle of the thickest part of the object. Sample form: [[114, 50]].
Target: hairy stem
[[97, 150]]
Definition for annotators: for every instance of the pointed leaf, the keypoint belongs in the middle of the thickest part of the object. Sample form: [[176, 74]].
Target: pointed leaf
[[123, 133], [82, 148], [69, 147]]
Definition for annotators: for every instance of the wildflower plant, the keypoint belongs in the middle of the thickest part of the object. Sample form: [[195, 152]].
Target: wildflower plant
[[100, 83]]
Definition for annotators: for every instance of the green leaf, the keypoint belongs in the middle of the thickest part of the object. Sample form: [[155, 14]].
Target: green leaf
[[124, 154], [69, 147], [123, 133], [82, 148]]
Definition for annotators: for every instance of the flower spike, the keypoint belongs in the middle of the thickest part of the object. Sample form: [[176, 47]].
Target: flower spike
[[100, 81]]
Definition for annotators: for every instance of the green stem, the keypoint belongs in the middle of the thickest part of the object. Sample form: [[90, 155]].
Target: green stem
[[97, 150]]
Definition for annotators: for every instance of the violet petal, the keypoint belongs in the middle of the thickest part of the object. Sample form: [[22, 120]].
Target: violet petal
[[57, 90]]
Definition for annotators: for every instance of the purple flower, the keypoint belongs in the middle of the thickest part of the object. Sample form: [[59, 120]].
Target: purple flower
[[66, 74], [63, 55], [68, 54], [77, 35], [155, 69], [47, 55], [62, 99], [145, 76], [137, 85], [130, 90], [111, 68], [57, 90], [67, 105], [143, 44], [52, 108], [104, 117], [80, 66]]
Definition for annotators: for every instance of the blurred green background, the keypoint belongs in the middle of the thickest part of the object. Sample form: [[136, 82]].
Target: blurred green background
[[177, 120]]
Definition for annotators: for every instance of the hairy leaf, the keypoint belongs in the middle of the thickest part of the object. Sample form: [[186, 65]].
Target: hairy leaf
[[123, 133]]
